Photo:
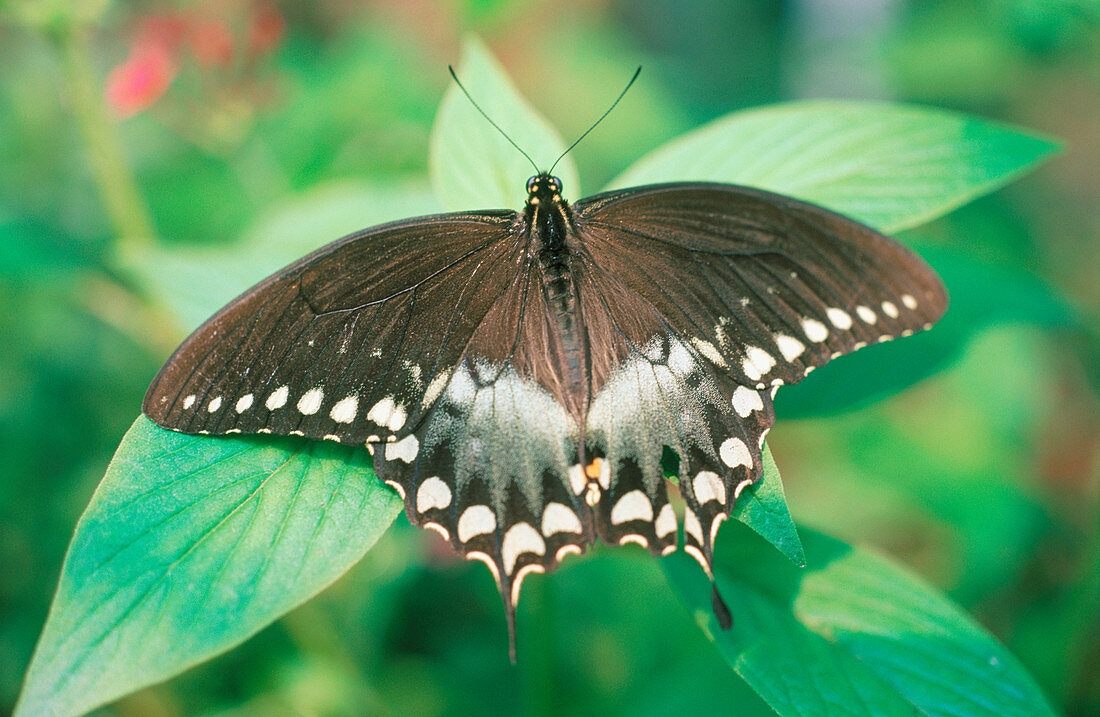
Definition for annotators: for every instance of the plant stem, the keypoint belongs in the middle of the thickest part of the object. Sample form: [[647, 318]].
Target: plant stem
[[125, 208]]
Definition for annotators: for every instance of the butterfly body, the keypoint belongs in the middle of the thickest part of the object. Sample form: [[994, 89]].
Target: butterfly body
[[518, 376], [559, 251]]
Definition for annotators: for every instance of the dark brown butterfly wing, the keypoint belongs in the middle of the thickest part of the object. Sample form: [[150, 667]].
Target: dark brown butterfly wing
[[351, 343], [753, 290]]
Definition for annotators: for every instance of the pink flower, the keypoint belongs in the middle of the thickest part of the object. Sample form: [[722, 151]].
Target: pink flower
[[165, 41], [140, 81]]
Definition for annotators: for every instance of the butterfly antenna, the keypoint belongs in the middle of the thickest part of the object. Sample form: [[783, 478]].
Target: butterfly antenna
[[605, 114], [490, 120]]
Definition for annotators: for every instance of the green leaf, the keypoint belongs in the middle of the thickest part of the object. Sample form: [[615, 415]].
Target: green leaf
[[891, 166], [472, 165], [764, 509], [981, 295], [850, 634], [189, 546], [195, 282]]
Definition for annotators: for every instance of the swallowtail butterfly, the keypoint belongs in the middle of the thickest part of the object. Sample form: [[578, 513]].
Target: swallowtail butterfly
[[518, 375]]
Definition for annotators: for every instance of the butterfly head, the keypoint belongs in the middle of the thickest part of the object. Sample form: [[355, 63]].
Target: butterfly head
[[543, 189]]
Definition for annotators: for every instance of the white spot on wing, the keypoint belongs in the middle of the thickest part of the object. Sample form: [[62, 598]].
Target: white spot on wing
[[746, 400], [909, 301], [476, 520], [405, 449], [397, 418], [244, 403], [635, 505], [521, 538], [715, 525], [434, 389], [439, 529], [708, 486], [310, 402], [277, 399], [789, 346], [734, 452], [560, 518], [577, 479], [387, 413], [592, 495], [679, 358], [866, 315], [890, 309], [708, 350], [432, 493], [692, 526], [815, 330], [757, 362], [517, 579], [666, 521], [604, 476], [566, 550], [839, 318], [345, 409], [488, 560], [189, 401], [380, 412], [215, 404]]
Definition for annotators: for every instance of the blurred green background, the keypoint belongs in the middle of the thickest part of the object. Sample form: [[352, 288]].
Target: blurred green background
[[127, 126]]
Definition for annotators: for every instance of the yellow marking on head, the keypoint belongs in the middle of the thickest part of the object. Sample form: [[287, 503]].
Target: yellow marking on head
[[592, 470]]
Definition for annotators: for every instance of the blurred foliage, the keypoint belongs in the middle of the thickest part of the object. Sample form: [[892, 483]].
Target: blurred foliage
[[985, 478]]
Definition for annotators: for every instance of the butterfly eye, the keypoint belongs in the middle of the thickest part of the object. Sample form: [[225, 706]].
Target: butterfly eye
[[532, 185], [555, 185]]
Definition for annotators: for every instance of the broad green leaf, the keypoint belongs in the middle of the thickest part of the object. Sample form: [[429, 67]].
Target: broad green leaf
[[891, 166], [472, 165], [764, 509], [195, 282], [850, 634], [980, 295], [189, 546]]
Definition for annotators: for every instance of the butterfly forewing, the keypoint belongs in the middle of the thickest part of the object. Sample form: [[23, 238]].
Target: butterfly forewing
[[350, 343], [766, 286]]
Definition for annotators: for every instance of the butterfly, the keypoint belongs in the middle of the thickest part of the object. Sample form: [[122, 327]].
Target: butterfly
[[517, 376]]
